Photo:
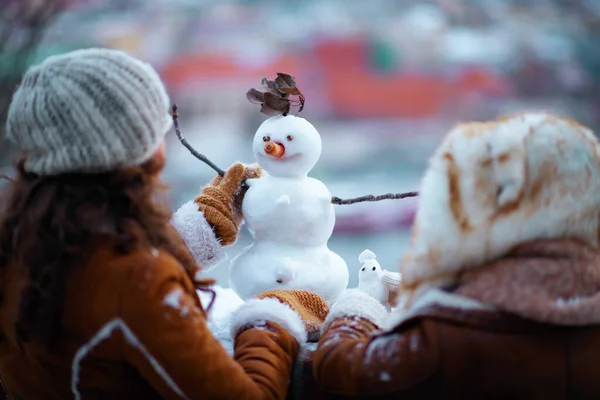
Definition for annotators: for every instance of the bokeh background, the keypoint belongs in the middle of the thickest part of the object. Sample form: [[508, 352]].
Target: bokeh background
[[384, 80]]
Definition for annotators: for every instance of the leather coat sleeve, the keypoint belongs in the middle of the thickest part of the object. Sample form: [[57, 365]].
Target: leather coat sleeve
[[353, 358], [177, 354]]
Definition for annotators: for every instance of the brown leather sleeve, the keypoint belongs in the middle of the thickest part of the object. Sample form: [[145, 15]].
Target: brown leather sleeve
[[177, 354], [353, 359]]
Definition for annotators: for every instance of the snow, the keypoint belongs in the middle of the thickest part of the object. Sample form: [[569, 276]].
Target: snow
[[199, 275], [290, 217], [219, 316], [173, 300], [284, 199], [568, 301], [311, 346], [104, 333], [286, 271], [414, 343], [384, 376], [366, 255], [336, 337], [381, 350]]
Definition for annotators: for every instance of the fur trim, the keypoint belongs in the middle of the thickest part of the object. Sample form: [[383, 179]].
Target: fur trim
[[356, 303], [198, 235], [491, 186], [431, 297], [257, 312]]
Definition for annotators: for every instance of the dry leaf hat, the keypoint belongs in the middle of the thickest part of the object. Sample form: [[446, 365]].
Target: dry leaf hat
[[274, 96]]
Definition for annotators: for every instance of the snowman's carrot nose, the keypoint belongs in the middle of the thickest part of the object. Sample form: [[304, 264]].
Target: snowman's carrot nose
[[274, 149]]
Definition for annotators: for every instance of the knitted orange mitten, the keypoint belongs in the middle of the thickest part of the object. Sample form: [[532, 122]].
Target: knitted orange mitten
[[221, 201], [310, 306]]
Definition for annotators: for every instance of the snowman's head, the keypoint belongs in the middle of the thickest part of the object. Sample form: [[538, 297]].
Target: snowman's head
[[370, 270], [287, 146]]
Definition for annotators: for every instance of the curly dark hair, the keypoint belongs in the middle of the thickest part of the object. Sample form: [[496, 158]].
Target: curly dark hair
[[49, 226]]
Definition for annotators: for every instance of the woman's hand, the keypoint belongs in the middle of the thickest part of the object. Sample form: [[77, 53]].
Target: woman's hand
[[311, 308], [221, 201]]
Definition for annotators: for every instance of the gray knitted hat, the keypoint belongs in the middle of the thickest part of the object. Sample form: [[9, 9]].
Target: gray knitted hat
[[88, 111]]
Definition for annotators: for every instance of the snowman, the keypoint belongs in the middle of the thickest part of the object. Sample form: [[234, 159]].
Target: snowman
[[290, 217], [375, 281]]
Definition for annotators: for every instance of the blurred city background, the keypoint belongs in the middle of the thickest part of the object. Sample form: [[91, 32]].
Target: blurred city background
[[383, 79]]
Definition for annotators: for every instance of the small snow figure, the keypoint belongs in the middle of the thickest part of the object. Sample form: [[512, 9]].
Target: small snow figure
[[377, 282], [290, 217]]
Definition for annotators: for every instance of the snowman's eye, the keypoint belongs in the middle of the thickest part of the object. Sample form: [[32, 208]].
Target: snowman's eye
[[290, 137], [363, 268], [373, 268], [266, 138]]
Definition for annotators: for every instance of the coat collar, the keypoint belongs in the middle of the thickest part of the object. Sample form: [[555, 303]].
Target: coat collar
[[444, 306], [434, 297]]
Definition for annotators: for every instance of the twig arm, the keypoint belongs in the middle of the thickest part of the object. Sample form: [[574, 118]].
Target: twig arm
[[183, 140], [370, 197]]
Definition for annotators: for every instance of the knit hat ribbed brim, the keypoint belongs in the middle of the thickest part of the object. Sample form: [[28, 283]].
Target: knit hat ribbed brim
[[88, 111]]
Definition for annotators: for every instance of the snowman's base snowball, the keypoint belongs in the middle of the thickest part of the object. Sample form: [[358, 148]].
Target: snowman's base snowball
[[266, 265], [219, 317], [284, 199]]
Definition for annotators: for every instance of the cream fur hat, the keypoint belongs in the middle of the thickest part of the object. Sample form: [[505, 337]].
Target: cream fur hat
[[493, 185], [88, 111]]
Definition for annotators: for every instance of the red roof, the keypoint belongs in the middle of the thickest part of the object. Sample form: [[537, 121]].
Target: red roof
[[338, 72], [212, 68], [360, 94]]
